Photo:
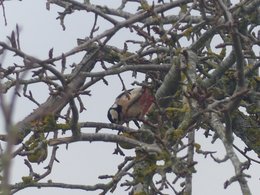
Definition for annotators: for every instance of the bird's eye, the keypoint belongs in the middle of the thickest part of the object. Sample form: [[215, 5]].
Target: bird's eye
[[115, 120]]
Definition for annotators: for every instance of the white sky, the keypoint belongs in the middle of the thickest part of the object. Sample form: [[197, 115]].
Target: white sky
[[83, 162]]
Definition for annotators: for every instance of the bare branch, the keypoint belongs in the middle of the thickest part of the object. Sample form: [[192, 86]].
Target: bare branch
[[91, 137], [220, 129]]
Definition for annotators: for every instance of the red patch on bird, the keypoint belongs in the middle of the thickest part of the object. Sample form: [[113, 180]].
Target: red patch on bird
[[146, 100]]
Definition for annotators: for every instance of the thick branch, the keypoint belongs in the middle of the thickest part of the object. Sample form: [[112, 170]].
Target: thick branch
[[139, 67], [21, 186], [91, 137], [55, 103], [218, 126]]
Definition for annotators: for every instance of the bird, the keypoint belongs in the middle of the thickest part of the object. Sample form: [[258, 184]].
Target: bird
[[131, 105]]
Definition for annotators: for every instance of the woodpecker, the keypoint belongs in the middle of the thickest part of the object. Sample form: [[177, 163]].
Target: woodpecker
[[131, 105]]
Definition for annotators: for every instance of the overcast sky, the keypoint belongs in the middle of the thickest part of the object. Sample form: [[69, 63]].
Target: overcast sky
[[83, 162]]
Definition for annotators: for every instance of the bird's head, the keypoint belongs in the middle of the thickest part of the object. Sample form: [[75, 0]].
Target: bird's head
[[114, 114]]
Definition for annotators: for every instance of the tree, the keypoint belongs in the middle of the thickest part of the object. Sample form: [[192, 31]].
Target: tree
[[201, 60]]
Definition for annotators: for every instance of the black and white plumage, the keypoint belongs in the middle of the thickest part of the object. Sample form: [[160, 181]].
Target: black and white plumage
[[131, 105]]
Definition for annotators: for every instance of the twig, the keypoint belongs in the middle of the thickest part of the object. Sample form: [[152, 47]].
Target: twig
[[244, 154], [74, 119], [94, 29], [3, 8]]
